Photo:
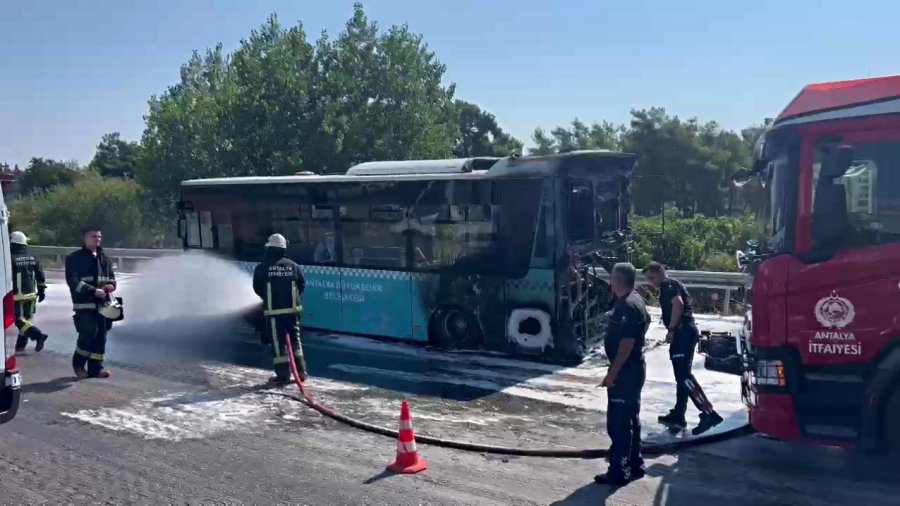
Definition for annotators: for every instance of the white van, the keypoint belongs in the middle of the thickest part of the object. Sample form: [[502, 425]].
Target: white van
[[12, 381]]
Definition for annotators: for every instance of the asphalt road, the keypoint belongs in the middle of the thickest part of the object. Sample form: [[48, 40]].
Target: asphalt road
[[185, 421]]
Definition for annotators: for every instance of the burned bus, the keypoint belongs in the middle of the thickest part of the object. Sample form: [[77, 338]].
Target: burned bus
[[500, 254]]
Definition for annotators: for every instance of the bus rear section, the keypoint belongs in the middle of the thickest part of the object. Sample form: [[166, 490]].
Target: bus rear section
[[10, 389], [469, 254]]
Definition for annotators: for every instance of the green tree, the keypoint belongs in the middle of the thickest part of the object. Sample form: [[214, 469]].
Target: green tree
[[602, 135], [44, 174], [280, 104], [480, 135], [116, 205], [684, 162], [115, 157]]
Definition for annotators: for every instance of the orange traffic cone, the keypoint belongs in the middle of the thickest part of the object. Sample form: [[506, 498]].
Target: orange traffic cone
[[408, 460]]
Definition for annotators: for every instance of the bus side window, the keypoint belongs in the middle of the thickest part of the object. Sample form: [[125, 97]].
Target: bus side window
[[580, 211], [373, 236], [322, 247]]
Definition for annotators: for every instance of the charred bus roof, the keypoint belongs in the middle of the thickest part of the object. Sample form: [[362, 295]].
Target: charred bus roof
[[842, 100], [451, 169]]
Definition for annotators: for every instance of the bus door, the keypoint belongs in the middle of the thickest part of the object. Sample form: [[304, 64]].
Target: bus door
[[375, 277]]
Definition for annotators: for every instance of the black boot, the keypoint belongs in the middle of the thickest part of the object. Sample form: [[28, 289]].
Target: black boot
[[673, 420], [707, 421], [278, 382], [39, 342]]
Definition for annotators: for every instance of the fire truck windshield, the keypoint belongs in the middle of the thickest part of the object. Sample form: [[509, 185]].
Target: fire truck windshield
[[871, 191]]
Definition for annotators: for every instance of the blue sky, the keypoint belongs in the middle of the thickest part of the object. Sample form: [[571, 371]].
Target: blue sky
[[71, 70]]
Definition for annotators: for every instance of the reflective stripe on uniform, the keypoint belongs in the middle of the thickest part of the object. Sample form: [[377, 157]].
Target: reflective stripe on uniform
[[280, 360], [82, 285], [84, 305], [81, 352], [276, 312], [100, 279], [275, 338], [95, 356], [25, 325], [25, 296]]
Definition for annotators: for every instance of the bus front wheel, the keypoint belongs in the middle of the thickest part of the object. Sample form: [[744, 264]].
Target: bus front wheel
[[455, 328]]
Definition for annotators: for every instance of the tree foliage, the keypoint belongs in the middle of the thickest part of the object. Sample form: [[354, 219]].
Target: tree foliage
[[115, 157], [698, 242], [115, 205], [280, 104], [43, 174], [481, 135], [684, 162], [602, 135]]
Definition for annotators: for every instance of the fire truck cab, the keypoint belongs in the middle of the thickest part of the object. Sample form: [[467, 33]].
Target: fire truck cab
[[821, 348]]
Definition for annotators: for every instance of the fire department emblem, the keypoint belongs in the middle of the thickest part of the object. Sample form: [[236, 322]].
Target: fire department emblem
[[835, 312]]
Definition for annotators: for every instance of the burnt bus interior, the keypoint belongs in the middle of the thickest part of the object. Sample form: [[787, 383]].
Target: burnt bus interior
[[404, 225], [484, 226]]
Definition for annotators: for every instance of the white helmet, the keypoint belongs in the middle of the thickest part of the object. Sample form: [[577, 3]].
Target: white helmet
[[18, 238], [276, 241]]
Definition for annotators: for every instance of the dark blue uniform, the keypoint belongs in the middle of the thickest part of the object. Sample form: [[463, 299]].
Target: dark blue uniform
[[681, 350], [629, 320], [279, 283]]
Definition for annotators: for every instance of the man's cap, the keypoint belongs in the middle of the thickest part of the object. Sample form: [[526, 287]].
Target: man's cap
[[276, 241]]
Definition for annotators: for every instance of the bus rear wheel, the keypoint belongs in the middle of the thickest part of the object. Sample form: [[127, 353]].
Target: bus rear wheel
[[891, 425], [455, 329]]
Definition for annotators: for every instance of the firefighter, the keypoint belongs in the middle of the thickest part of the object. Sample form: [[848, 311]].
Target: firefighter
[[682, 337], [29, 287], [624, 346], [279, 283], [91, 280]]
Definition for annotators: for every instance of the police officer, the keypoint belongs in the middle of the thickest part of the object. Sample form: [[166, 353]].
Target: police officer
[[682, 336], [91, 280], [29, 287], [624, 347], [279, 283]]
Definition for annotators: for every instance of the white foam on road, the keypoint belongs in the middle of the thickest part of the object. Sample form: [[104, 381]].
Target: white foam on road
[[181, 416], [198, 415]]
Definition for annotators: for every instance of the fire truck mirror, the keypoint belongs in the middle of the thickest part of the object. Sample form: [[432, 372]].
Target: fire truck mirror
[[742, 176]]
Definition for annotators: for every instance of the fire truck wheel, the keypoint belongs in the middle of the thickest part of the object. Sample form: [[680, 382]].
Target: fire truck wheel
[[891, 424]]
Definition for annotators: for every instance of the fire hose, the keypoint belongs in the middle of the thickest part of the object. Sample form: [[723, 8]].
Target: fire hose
[[595, 453]]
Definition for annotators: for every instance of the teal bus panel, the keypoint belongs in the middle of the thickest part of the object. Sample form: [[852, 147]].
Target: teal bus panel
[[322, 297], [376, 302], [422, 293], [536, 289]]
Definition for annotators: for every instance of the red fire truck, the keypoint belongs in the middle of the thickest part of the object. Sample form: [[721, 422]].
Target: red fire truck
[[820, 350]]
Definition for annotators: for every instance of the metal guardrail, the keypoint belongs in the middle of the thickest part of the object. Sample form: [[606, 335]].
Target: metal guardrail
[[121, 256], [726, 281]]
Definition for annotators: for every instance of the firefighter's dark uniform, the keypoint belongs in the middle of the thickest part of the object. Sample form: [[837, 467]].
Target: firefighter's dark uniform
[[279, 283], [629, 319], [85, 273], [29, 286], [681, 353]]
